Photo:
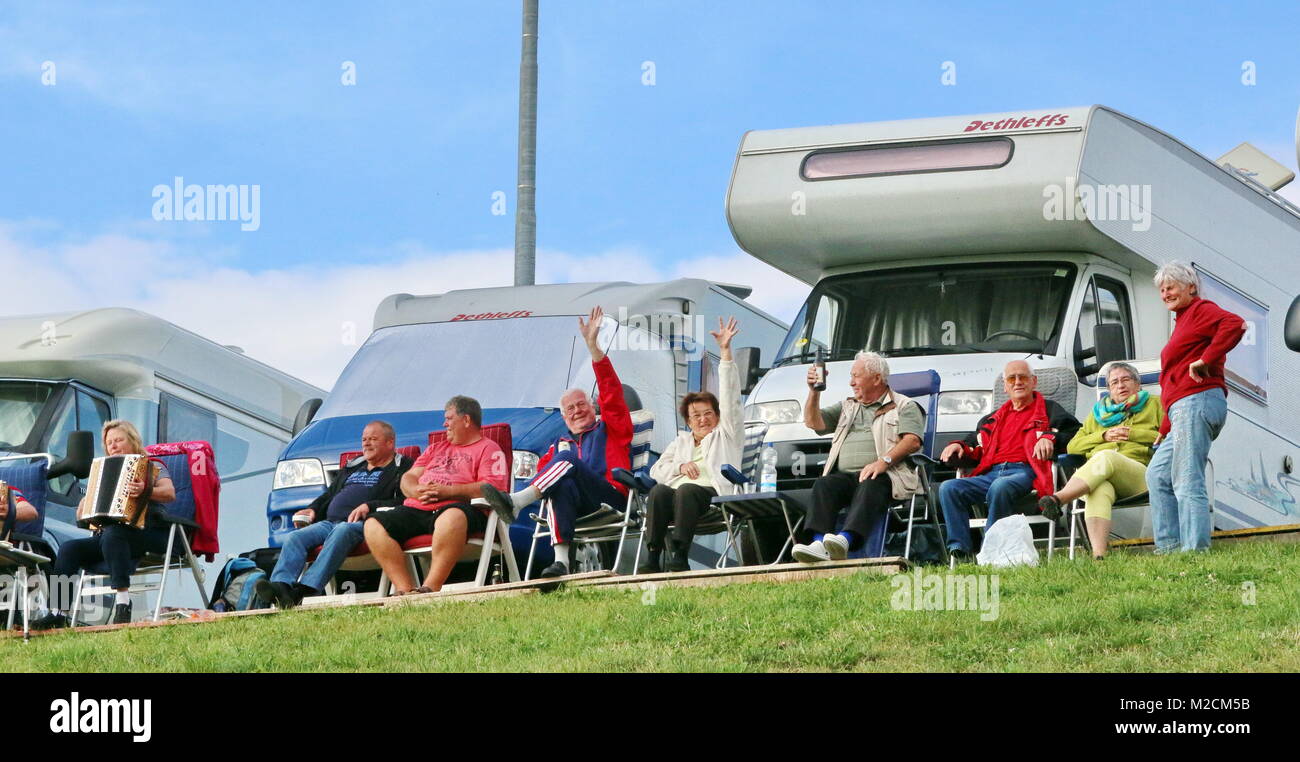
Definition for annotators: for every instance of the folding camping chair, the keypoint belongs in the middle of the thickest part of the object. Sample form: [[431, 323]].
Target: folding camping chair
[[495, 539], [359, 558], [1149, 371], [712, 521], [181, 518], [606, 523], [22, 546]]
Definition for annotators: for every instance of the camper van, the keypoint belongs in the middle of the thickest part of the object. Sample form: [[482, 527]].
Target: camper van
[[961, 243], [69, 372], [515, 350]]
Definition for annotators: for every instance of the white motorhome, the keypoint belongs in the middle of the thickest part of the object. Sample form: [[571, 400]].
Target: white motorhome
[[961, 243], [67, 372]]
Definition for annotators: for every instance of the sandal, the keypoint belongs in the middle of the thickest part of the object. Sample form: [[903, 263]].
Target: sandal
[[421, 590]]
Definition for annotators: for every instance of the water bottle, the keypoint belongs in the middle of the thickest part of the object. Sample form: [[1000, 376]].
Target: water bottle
[[768, 481], [819, 367]]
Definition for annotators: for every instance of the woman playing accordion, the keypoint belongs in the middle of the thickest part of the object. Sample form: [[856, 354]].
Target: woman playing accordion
[[119, 544]]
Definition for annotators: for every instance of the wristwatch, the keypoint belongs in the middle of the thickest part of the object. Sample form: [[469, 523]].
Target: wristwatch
[[888, 460]]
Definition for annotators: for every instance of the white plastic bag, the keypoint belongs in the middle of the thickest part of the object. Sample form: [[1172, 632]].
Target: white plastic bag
[[1009, 542]]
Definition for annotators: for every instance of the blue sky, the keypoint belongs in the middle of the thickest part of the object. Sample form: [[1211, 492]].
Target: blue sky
[[387, 185]]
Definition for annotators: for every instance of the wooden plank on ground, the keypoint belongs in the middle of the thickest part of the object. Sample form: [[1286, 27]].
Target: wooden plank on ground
[[793, 572]]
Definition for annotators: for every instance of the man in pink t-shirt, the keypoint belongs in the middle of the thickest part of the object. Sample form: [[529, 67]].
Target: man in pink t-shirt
[[439, 488]]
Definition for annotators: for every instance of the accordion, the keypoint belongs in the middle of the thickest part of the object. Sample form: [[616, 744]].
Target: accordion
[[107, 499]]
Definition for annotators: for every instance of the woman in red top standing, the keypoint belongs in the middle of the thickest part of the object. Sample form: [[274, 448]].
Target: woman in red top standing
[[1195, 396]]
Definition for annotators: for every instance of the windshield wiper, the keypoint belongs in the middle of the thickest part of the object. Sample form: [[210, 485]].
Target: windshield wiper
[[807, 357], [930, 349]]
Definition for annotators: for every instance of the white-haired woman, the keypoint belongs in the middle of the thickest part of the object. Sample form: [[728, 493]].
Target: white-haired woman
[[1194, 394], [120, 545], [1116, 439]]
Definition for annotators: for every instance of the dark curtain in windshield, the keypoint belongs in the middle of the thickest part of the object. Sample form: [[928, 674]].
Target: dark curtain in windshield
[[1004, 308]]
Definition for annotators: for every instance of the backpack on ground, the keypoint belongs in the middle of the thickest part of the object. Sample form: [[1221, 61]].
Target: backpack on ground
[[235, 586]]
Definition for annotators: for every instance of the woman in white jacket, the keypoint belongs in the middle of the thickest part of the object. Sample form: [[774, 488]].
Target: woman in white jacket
[[689, 471]]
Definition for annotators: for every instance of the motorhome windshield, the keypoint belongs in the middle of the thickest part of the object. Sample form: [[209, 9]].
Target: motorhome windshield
[[20, 405], [520, 362], [1007, 307]]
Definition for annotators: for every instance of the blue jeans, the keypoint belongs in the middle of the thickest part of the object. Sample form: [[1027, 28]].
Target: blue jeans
[[1180, 507], [1000, 487], [338, 539]]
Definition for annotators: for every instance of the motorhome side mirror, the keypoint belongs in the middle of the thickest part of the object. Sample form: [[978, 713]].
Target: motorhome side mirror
[[1110, 343], [1292, 331], [747, 359], [81, 450], [305, 414]]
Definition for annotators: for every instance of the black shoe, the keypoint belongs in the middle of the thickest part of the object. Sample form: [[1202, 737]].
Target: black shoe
[[278, 593], [653, 562], [500, 502], [958, 555], [300, 591], [1050, 506], [50, 621], [676, 559], [121, 614], [557, 569]]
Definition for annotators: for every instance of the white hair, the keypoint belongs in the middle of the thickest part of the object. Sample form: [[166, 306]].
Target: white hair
[[567, 392], [1177, 272], [873, 363]]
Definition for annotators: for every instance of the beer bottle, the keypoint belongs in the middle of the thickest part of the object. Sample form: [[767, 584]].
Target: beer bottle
[[820, 365]]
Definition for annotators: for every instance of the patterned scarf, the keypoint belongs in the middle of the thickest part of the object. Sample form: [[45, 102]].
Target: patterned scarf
[[1110, 413]]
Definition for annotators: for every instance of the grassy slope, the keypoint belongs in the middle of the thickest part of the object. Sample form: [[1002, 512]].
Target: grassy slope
[[1128, 614]]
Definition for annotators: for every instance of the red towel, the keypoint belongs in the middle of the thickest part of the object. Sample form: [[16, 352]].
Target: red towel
[[206, 485]]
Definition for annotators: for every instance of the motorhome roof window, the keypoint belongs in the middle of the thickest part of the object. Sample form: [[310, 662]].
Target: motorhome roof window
[[927, 311], [908, 158]]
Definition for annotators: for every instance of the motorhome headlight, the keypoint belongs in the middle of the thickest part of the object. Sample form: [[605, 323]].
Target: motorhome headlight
[[965, 403], [300, 472], [525, 464], [781, 411]]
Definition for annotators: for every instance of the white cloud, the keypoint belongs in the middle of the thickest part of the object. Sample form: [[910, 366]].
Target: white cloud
[[297, 319]]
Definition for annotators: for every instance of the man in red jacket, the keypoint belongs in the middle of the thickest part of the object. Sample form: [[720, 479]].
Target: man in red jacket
[[576, 472], [1012, 449]]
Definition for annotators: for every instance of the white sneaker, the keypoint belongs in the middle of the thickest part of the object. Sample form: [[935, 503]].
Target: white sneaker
[[836, 547], [810, 554]]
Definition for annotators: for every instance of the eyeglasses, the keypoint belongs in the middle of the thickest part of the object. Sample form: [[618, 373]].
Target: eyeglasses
[[1018, 377]]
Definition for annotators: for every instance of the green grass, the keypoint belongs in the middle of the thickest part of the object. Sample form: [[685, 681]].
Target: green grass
[[1132, 613]]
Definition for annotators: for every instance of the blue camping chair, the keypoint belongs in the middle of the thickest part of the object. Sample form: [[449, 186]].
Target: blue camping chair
[[22, 544], [742, 510], [179, 517], [607, 523]]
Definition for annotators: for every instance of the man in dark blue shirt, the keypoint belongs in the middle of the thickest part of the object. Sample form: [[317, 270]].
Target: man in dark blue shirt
[[335, 518]]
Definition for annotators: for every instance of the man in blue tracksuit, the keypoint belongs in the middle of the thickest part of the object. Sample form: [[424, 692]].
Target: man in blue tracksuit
[[576, 471]]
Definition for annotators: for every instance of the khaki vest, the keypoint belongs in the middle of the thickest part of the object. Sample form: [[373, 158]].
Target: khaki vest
[[884, 430]]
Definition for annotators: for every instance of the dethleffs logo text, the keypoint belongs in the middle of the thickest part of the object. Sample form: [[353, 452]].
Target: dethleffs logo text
[[1018, 123], [77, 715], [494, 315]]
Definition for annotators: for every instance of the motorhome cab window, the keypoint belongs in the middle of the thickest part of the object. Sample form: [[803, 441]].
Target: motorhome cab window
[[1246, 369], [927, 311], [908, 158], [21, 403]]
